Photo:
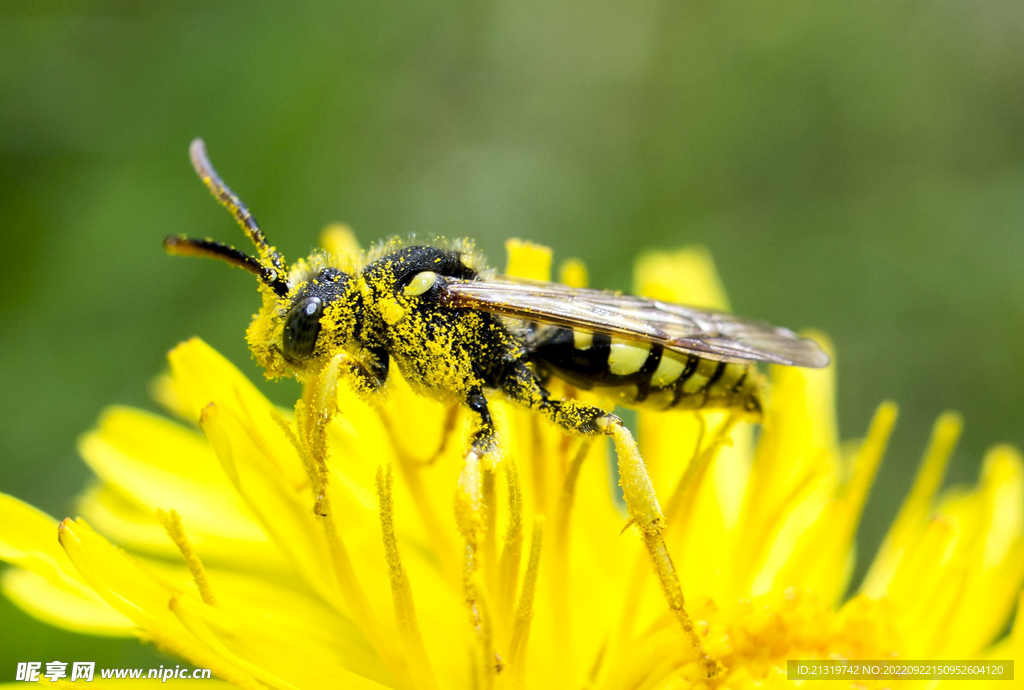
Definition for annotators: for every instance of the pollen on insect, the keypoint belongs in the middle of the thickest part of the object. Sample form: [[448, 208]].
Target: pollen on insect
[[458, 333]]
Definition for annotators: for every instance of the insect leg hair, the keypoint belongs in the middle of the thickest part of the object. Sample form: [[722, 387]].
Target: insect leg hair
[[180, 245], [230, 201]]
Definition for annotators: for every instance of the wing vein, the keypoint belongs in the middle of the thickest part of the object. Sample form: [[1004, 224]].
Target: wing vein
[[713, 335]]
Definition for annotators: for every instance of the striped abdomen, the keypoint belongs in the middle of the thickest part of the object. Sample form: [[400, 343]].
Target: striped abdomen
[[636, 374]]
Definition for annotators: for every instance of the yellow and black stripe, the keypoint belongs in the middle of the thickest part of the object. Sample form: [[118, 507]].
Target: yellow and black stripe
[[642, 374]]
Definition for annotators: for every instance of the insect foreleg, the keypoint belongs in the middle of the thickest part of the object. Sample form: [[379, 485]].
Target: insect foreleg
[[367, 372], [366, 375]]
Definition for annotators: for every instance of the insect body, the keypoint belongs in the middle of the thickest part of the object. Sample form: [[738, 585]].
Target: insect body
[[458, 334]]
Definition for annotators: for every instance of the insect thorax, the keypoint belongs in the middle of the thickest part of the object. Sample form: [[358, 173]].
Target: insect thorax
[[442, 352]]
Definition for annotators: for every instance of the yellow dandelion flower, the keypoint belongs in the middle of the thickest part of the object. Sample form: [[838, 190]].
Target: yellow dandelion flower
[[199, 536]]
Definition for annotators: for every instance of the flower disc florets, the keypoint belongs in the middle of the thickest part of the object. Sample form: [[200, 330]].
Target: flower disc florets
[[199, 535]]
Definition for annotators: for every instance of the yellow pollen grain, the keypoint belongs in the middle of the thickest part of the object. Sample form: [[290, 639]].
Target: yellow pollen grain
[[669, 369], [392, 312], [172, 524], [627, 356]]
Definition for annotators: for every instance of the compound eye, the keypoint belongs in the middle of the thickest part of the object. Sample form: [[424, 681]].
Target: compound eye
[[420, 283], [301, 328]]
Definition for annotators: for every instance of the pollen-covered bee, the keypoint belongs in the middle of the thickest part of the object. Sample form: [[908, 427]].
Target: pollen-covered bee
[[459, 334]]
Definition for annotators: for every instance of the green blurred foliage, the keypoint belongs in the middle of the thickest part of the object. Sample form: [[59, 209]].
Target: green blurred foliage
[[855, 167]]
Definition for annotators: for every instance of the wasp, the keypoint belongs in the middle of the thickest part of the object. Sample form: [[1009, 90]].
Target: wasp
[[459, 334]]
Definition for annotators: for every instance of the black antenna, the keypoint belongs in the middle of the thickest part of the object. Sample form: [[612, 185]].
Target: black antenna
[[179, 245], [228, 199], [273, 275]]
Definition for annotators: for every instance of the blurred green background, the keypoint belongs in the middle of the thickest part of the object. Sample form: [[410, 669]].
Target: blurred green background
[[857, 167]]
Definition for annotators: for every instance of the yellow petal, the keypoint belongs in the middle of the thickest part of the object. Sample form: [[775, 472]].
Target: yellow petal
[[590, 613], [994, 554], [134, 527], [202, 375], [163, 391], [1003, 479], [686, 276], [140, 597], [158, 464], [28, 539], [823, 559], [288, 621], [573, 272], [528, 260], [793, 476], [341, 242], [284, 509], [910, 521], [64, 606], [921, 583]]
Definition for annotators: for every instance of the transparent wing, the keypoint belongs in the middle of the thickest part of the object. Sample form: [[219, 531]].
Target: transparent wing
[[712, 335]]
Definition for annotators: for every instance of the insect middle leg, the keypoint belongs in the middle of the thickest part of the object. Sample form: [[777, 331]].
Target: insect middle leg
[[483, 439], [471, 515], [521, 385]]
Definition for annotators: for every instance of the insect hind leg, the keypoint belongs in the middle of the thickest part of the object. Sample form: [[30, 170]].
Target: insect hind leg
[[521, 385]]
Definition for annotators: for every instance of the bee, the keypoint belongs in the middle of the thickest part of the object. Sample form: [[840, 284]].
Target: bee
[[459, 334]]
